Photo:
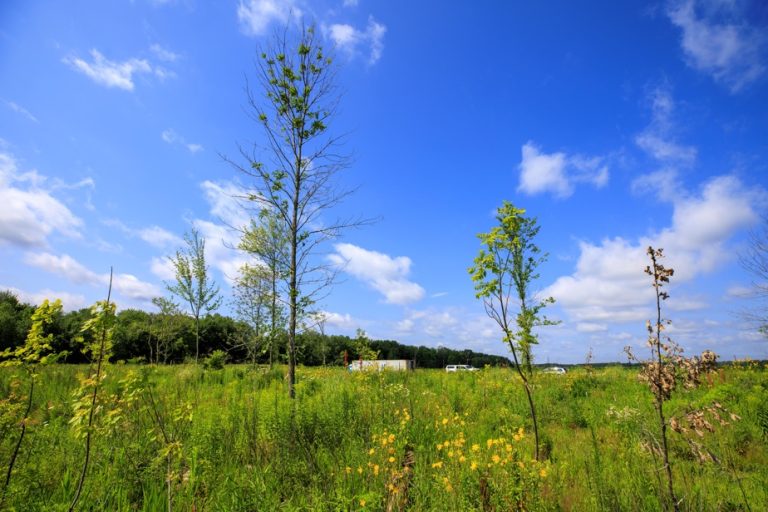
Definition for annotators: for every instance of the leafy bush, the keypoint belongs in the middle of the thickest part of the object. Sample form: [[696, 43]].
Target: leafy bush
[[216, 360]]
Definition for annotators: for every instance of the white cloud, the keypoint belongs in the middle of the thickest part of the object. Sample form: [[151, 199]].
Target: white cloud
[[159, 237], [223, 198], [29, 212], [127, 285], [65, 266], [663, 183], [171, 137], [657, 139], [163, 268], [350, 3], [663, 149], [381, 272], [256, 16], [348, 39], [341, 321], [153, 235], [557, 172], [221, 248], [455, 325], [718, 40], [591, 327], [609, 286], [163, 54], [21, 110], [69, 301], [110, 73]]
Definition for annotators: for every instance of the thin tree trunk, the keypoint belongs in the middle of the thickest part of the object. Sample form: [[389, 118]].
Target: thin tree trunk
[[660, 398], [16, 448], [197, 338], [528, 392], [273, 330], [293, 292], [93, 405]]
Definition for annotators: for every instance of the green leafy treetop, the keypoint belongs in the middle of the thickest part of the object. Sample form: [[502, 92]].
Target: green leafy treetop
[[503, 273], [37, 348]]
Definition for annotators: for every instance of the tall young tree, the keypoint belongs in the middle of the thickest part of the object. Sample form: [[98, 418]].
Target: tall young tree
[[252, 300], [295, 172], [267, 240], [193, 284], [503, 273]]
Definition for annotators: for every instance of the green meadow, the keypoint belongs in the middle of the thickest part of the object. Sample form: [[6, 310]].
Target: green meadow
[[186, 438]]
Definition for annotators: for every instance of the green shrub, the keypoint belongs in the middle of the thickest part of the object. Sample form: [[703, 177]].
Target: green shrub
[[216, 360]]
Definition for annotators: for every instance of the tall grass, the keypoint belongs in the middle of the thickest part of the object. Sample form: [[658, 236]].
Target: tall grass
[[425, 440]]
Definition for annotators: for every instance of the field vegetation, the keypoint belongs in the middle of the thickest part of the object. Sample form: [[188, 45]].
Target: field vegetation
[[186, 438]]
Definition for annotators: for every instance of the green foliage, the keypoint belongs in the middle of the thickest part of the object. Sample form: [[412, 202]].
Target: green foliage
[[504, 271], [216, 360], [295, 184], [363, 347], [230, 440], [193, 284], [38, 346], [15, 320]]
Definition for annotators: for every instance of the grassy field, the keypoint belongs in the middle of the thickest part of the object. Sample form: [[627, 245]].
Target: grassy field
[[230, 440]]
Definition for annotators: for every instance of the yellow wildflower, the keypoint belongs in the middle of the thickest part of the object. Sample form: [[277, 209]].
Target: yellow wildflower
[[543, 473], [362, 503], [348, 469], [371, 451], [391, 460], [495, 458], [437, 464], [445, 421], [473, 466], [475, 447], [375, 470]]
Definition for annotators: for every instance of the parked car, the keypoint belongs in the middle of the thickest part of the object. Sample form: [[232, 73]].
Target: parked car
[[557, 370], [460, 368]]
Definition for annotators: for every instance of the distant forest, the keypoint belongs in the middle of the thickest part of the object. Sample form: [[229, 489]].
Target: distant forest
[[140, 336]]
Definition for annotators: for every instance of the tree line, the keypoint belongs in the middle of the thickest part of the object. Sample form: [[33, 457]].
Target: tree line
[[170, 338]]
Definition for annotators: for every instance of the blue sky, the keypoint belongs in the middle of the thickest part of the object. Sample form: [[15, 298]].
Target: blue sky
[[616, 124]]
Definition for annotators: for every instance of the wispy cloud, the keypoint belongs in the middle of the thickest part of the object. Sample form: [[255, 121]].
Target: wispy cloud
[[153, 235], [558, 172], [658, 138], [719, 40], [21, 110], [110, 73], [256, 16], [126, 285], [163, 54], [350, 40], [29, 212], [69, 301], [171, 137], [383, 273]]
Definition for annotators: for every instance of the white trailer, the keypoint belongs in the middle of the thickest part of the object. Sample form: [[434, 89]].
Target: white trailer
[[381, 364]]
